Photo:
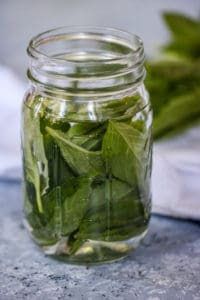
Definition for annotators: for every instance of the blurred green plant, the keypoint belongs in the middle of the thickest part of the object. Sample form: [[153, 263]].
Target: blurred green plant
[[173, 80]]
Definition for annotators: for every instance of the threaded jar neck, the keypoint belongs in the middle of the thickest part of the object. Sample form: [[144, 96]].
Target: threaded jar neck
[[86, 61]]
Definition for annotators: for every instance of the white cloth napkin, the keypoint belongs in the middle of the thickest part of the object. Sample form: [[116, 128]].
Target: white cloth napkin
[[11, 95], [176, 162], [176, 176]]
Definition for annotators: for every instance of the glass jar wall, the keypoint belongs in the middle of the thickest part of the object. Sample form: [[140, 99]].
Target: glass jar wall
[[86, 139]]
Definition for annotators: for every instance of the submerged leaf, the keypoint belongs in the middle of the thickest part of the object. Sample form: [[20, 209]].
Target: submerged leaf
[[123, 150], [35, 161], [79, 159], [87, 135], [74, 206], [113, 213]]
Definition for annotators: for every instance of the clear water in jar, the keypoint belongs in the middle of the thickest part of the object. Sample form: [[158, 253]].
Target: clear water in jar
[[87, 180]]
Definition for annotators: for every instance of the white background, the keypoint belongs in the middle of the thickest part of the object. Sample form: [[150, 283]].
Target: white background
[[21, 19]]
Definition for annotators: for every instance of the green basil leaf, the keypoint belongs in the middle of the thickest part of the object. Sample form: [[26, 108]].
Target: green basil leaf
[[87, 135], [123, 151], [35, 161], [181, 25], [80, 160], [113, 212], [182, 111], [74, 206]]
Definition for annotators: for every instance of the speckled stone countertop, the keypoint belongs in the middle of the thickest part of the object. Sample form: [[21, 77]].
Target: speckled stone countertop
[[166, 266]]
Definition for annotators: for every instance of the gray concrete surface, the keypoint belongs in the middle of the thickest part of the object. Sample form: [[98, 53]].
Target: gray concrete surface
[[166, 266]]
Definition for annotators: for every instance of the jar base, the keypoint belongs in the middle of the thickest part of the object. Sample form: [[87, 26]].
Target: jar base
[[93, 252]]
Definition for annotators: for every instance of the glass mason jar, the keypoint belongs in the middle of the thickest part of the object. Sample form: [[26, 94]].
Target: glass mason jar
[[86, 138]]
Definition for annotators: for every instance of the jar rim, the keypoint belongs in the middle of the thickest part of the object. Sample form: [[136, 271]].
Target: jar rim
[[130, 40], [86, 59]]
